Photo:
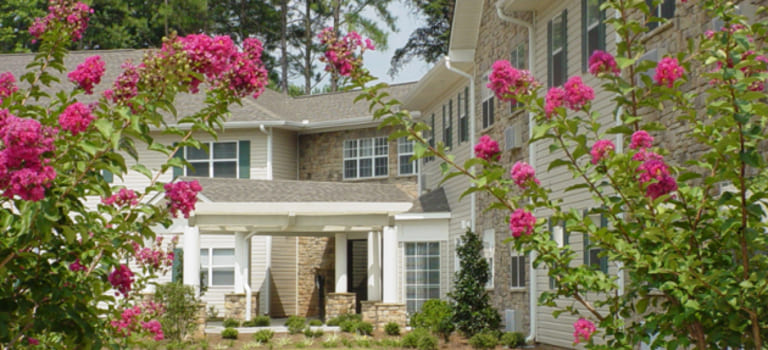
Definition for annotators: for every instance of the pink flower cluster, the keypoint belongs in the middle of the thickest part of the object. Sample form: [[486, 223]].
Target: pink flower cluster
[[668, 71], [126, 85], [507, 82], [76, 266], [602, 62], [577, 94], [641, 140], [72, 16], [344, 55], [523, 174], [182, 196], [76, 118], [583, 329], [88, 74], [487, 148], [24, 169], [601, 150], [154, 257], [653, 171], [131, 320], [7, 85], [121, 279], [122, 198], [554, 99], [521, 222], [154, 327]]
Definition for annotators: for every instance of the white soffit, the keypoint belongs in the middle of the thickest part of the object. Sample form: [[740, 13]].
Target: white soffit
[[466, 24], [436, 83], [523, 5]]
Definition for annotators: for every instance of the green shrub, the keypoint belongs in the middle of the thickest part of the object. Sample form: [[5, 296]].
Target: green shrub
[[484, 340], [309, 333], [336, 321], [229, 333], [315, 323], [348, 326], [389, 343], [436, 317], [263, 336], [364, 328], [181, 308], [363, 342], [512, 339], [427, 342], [258, 321], [347, 342], [231, 322], [392, 328], [295, 324], [411, 339]]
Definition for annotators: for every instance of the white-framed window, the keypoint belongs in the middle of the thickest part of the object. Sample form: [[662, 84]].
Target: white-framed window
[[406, 166], [664, 9], [489, 245], [422, 270], [364, 158], [557, 47], [592, 253], [217, 266], [488, 102], [219, 160], [517, 270], [593, 30], [462, 107]]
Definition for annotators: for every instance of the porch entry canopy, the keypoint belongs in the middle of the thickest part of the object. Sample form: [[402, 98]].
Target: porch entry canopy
[[227, 206]]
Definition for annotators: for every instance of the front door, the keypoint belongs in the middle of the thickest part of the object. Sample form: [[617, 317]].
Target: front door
[[357, 269]]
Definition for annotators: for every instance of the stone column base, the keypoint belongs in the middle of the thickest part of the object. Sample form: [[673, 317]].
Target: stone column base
[[379, 313], [339, 304], [234, 306]]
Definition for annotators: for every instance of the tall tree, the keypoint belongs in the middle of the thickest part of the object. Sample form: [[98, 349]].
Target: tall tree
[[15, 18], [429, 42]]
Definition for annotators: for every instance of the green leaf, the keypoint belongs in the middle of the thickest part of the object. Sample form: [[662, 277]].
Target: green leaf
[[557, 162]]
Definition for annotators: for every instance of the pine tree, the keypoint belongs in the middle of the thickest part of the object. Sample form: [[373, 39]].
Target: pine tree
[[472, 311]]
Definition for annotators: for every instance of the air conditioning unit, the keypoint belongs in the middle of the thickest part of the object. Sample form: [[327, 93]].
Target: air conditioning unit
[[513, 137], [513, 320]]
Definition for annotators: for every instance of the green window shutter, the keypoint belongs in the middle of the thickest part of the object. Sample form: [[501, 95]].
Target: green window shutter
[[601, 30], [603, 259], [458, 117], [450, 123], [432, 139], [550, 73], [178, 171], [178, 265], [244, 159], [552, 237], [565, 45], [584, 37], [108, 176], [586, 242]]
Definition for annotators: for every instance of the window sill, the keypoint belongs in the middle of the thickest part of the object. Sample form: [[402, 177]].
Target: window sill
[[658, 30], [518, 289], [367, 178]]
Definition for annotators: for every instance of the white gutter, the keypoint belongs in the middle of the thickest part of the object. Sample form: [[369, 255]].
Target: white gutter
[[473, 195], [531, 160], [269, 150]]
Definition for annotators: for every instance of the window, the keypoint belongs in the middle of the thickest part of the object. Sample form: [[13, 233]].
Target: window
[[448, 124], [217, 267], [422, 269], [488, 102], [592, 256], [463, 115], [366, 158], [557, 47], [219, 160], [518, 59], [517, 267], [558, 234], [664, 9], [404, 154], [489, 240], [592, 30]]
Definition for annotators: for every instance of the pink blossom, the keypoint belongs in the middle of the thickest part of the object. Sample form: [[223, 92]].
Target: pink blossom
[[667, 184], [709, 34], [487, 148], [523, 174], [653, 169], [7, 85], [182, 196], [154, 327], [601, 149], [507, 81], [667, 71], [66, 15], [602, 62], [641, 140], [583, 329], [344, 55], [655, 173], [121, 279], [88, 74], [24, 169], [122, 198], [645, 155], [521, 222], [32, 341], [577, 94], [554, 99], [125, 87], [76, 266], [76, 118]]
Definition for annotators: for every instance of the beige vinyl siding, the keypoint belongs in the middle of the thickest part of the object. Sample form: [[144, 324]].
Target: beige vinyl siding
[[284, 274], [284, 155]]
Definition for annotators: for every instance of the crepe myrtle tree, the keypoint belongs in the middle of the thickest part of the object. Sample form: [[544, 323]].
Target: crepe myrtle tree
[[689, 239], [76, 249]]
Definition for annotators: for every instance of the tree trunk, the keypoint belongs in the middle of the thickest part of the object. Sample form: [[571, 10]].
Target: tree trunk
[[284, 46]]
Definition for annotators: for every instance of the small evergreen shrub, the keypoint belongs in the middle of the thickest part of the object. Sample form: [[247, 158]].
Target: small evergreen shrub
[[412, 339], [295, 324], [258, 321], [435, 316], [512, 339], [309, 333], [427, 342], [263, 336], [315, 323], [348, 326], [336, 321], [364, 328], [484, 340], [392, 328], [231, 323], [229, 333]]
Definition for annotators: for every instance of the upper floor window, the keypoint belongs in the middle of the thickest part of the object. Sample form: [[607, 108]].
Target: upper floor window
[[557, 49], [519, 60], [517, 269], [219, 160], [592, 253], [592, 30], [217, 267], [448, 124], [404, 154], [463, 101], [660, 9], [488, 103], [367, 157]]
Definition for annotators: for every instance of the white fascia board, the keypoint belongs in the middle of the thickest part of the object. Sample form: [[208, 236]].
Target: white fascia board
[[461, 55], [423, 216], [301, 208]]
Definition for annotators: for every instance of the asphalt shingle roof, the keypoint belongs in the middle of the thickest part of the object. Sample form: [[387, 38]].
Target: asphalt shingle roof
[[431, 202]]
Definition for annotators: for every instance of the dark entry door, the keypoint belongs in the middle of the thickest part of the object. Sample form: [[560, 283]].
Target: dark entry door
[[357, 269]]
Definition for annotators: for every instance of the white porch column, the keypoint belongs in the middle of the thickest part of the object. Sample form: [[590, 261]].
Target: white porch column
[[389, 265], [374, 265], [341, 263], [241, 262], [192, 257]]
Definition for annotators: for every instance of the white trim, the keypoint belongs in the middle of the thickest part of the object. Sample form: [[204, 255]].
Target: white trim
[[304, 208], [212, 161], [422, 216]]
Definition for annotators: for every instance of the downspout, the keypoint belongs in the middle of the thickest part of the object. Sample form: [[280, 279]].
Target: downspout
[[473, 195], [269, 150], [268, 271], [531, 160]]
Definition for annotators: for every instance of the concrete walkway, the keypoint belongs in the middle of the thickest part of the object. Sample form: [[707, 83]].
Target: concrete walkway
[[277, 325]]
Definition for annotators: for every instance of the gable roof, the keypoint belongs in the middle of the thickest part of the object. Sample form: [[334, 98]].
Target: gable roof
[[431, 202]]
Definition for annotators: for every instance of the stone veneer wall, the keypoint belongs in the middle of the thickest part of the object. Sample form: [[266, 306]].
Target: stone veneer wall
[[317, 256], [339, 304], [379, 314], [235, 305]]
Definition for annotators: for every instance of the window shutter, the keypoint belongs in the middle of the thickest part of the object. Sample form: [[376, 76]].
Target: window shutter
[[178, 171], [601, 29], [586, 242], [450, 123], [603, 259], [549, 54], [108, 176], [244, 159], [458, 119], [565, 45], [432, 139], [584, 37]]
